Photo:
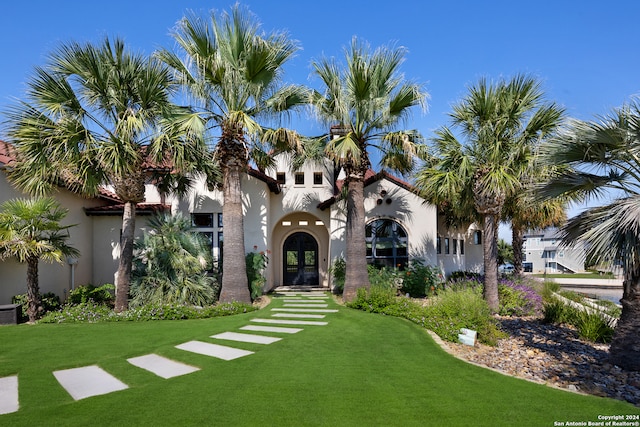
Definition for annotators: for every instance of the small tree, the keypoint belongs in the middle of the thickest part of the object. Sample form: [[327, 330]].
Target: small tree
[[505, 252], [30, 230], [170, 265]]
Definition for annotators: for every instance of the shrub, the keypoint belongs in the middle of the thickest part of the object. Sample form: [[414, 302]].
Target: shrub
[[85, 312], [454, 309], [518, 299], [384, 277], [256, 263], [338, 271], [170, 265], [50, 302], [571, 295], [548, 289], [609, 307], [464, 283], [375, 300], [85, 293], [465, 275], [420, 280], [592, 327], [90, 312]]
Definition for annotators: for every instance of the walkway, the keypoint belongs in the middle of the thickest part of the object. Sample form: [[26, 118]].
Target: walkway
[[299, 311]]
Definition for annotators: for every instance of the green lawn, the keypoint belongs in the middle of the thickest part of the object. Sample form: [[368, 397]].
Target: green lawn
[[360, 370]]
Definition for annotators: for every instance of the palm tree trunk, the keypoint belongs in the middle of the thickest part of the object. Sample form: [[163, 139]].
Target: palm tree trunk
[[517, 240], [34, 302], [123, 275], [625, 346], [235, 285], [490, 255], [356, 275]]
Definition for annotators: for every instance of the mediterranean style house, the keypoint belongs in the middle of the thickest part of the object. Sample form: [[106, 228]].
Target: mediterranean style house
[[543, 253], [296, 217]]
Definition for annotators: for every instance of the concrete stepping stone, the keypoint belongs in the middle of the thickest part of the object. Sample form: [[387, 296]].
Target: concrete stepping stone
[[290, 322], [299, 315], [9, 395], [161, 366], [306, 305], [301, 301], [306, 310], [255, 339], [259, 328], [213, 350], [301, 294], [88, 381]]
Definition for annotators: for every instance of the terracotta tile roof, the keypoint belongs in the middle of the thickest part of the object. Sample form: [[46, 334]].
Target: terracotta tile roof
[[273, 185], [370, 177], [6, 154]]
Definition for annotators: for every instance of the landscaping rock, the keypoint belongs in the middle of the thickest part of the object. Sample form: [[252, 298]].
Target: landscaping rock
[[553, 355]]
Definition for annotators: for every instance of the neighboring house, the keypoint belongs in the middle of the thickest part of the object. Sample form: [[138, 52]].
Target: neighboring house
[[543, 253], [296, 218]]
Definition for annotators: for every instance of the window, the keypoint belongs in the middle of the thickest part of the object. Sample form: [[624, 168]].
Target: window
[[455, 246], [387, 244], [461, 246], [447, 249], [203, 224], [281, 177], [299, 178], [317, 178], [208, 238], [202, 220], [438, 245], [477, 237]]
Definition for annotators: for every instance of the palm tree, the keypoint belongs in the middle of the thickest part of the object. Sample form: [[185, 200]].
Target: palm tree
[[364, 102], [30, 231], [170, 264], [501, 123], [233, 72], [99, 115], [505, 252], [525, 212], [603, 162]]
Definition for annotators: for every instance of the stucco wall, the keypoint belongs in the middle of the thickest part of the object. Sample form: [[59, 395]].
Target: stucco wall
[[54, 278], [471, 260]]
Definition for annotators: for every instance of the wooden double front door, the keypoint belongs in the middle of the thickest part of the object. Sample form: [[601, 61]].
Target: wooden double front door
[[300, 255]]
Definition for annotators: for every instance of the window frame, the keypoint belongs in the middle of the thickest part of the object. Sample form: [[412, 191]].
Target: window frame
[[397, 243]]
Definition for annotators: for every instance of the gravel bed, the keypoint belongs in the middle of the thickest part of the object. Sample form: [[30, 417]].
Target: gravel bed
[[553, 355]]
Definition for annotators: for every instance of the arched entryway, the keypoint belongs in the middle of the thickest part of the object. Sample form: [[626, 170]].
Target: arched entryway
[[300, 257]]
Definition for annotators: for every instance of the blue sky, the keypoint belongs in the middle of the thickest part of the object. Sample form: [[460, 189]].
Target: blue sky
[[585, 53]]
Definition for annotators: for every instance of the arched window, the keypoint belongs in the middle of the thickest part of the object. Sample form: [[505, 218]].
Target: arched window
[[387, 244]]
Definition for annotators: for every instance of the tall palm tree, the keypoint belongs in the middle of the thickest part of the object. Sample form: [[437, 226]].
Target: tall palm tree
[[501, 123], [233, 71], [365, 100], [30, 231], [603, 163], [99, 115]]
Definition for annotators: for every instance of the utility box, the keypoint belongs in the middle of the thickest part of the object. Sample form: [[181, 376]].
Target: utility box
[[9, 314], [467, 336]]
